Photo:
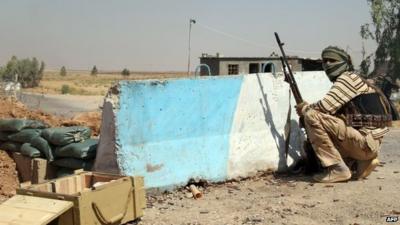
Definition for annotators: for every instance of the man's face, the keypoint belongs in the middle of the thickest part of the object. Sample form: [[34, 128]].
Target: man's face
[[327, 61]]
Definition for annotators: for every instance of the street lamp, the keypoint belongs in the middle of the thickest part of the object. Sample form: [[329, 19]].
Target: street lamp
[[191, 21]]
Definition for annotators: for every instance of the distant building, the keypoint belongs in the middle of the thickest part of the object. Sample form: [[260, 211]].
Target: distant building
[[220, 65]]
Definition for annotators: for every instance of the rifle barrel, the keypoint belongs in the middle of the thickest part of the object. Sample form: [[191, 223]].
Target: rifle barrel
[[289, 74]]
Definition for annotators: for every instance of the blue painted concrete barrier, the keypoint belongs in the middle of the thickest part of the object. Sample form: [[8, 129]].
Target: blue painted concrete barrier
[[212, 128]]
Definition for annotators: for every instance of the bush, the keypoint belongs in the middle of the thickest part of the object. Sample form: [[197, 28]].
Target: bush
[[125, 72], [65, 89], [63, 71], [94, 71], [27, 71]]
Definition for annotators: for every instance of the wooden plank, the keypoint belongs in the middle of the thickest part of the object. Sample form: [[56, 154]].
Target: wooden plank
[[24, 166], [78, 183], [31, 210], [35, 170], [139, 196], [42, 170]]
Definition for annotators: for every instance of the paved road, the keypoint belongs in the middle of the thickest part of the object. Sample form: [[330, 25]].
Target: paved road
[[63, 105]]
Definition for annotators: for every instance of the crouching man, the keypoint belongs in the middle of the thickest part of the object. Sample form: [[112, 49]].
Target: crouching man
[[348, 124]]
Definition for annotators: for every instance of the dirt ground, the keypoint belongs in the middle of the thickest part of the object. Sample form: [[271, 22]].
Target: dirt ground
[[282, 199]]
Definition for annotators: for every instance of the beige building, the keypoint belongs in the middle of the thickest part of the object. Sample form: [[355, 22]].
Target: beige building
[[220, 65]]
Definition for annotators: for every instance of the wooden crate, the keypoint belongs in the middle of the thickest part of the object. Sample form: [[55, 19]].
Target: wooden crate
[[34, 170], [98, 198]]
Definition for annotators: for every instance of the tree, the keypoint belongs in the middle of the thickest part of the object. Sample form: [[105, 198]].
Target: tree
[[125, 72], [11, 69], [26, 71], [63, 71], [385, 31], [94, 71]]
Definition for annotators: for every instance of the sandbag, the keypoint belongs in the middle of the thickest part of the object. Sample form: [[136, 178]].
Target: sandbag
[[25, 135], [61, 136], [28, 150], [83, 150], [4, 135], [10, 146], [73, 163], [44, 147], [16, 125]]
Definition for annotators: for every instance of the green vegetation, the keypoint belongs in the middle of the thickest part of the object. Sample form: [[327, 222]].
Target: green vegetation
[[125, 72], [65, 89], [94, 71], [26, 71], [63, 71], [385, 31]]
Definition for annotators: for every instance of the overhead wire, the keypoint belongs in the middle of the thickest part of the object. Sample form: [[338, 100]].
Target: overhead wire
[[215, 30]]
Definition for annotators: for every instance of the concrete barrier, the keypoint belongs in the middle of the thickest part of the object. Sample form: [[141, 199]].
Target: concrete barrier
[[212, 128]]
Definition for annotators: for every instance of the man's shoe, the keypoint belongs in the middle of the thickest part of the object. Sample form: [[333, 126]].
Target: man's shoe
[[365, 167], [335, 173]]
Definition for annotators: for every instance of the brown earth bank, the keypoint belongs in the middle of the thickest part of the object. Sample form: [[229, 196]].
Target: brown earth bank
[[8, 176]]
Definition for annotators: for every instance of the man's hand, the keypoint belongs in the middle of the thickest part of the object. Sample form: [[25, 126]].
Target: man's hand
[[299, 108]]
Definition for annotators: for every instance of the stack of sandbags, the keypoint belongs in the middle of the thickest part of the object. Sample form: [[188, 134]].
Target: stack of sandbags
[[72, 147], [68, 148], [14, 133]]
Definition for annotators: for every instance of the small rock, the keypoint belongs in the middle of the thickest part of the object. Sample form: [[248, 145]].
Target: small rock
[[189, 195], [204, 211], [395, 171]]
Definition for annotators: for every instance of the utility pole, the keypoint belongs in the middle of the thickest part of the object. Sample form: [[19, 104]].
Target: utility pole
[[191, 21]]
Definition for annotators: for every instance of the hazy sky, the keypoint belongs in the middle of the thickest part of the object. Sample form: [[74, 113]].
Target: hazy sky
[[153, 35]]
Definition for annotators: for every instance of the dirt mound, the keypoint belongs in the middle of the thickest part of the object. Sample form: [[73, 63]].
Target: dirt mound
[[11, 108], [8, 176], [89, 119]]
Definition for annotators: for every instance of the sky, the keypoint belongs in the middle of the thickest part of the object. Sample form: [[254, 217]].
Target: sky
[[150, 35]]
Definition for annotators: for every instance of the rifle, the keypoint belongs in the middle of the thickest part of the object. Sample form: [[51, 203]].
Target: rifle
[[287, 71], [310, 161]]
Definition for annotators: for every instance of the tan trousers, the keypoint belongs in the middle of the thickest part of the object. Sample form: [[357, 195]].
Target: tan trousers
[[333, 141]]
